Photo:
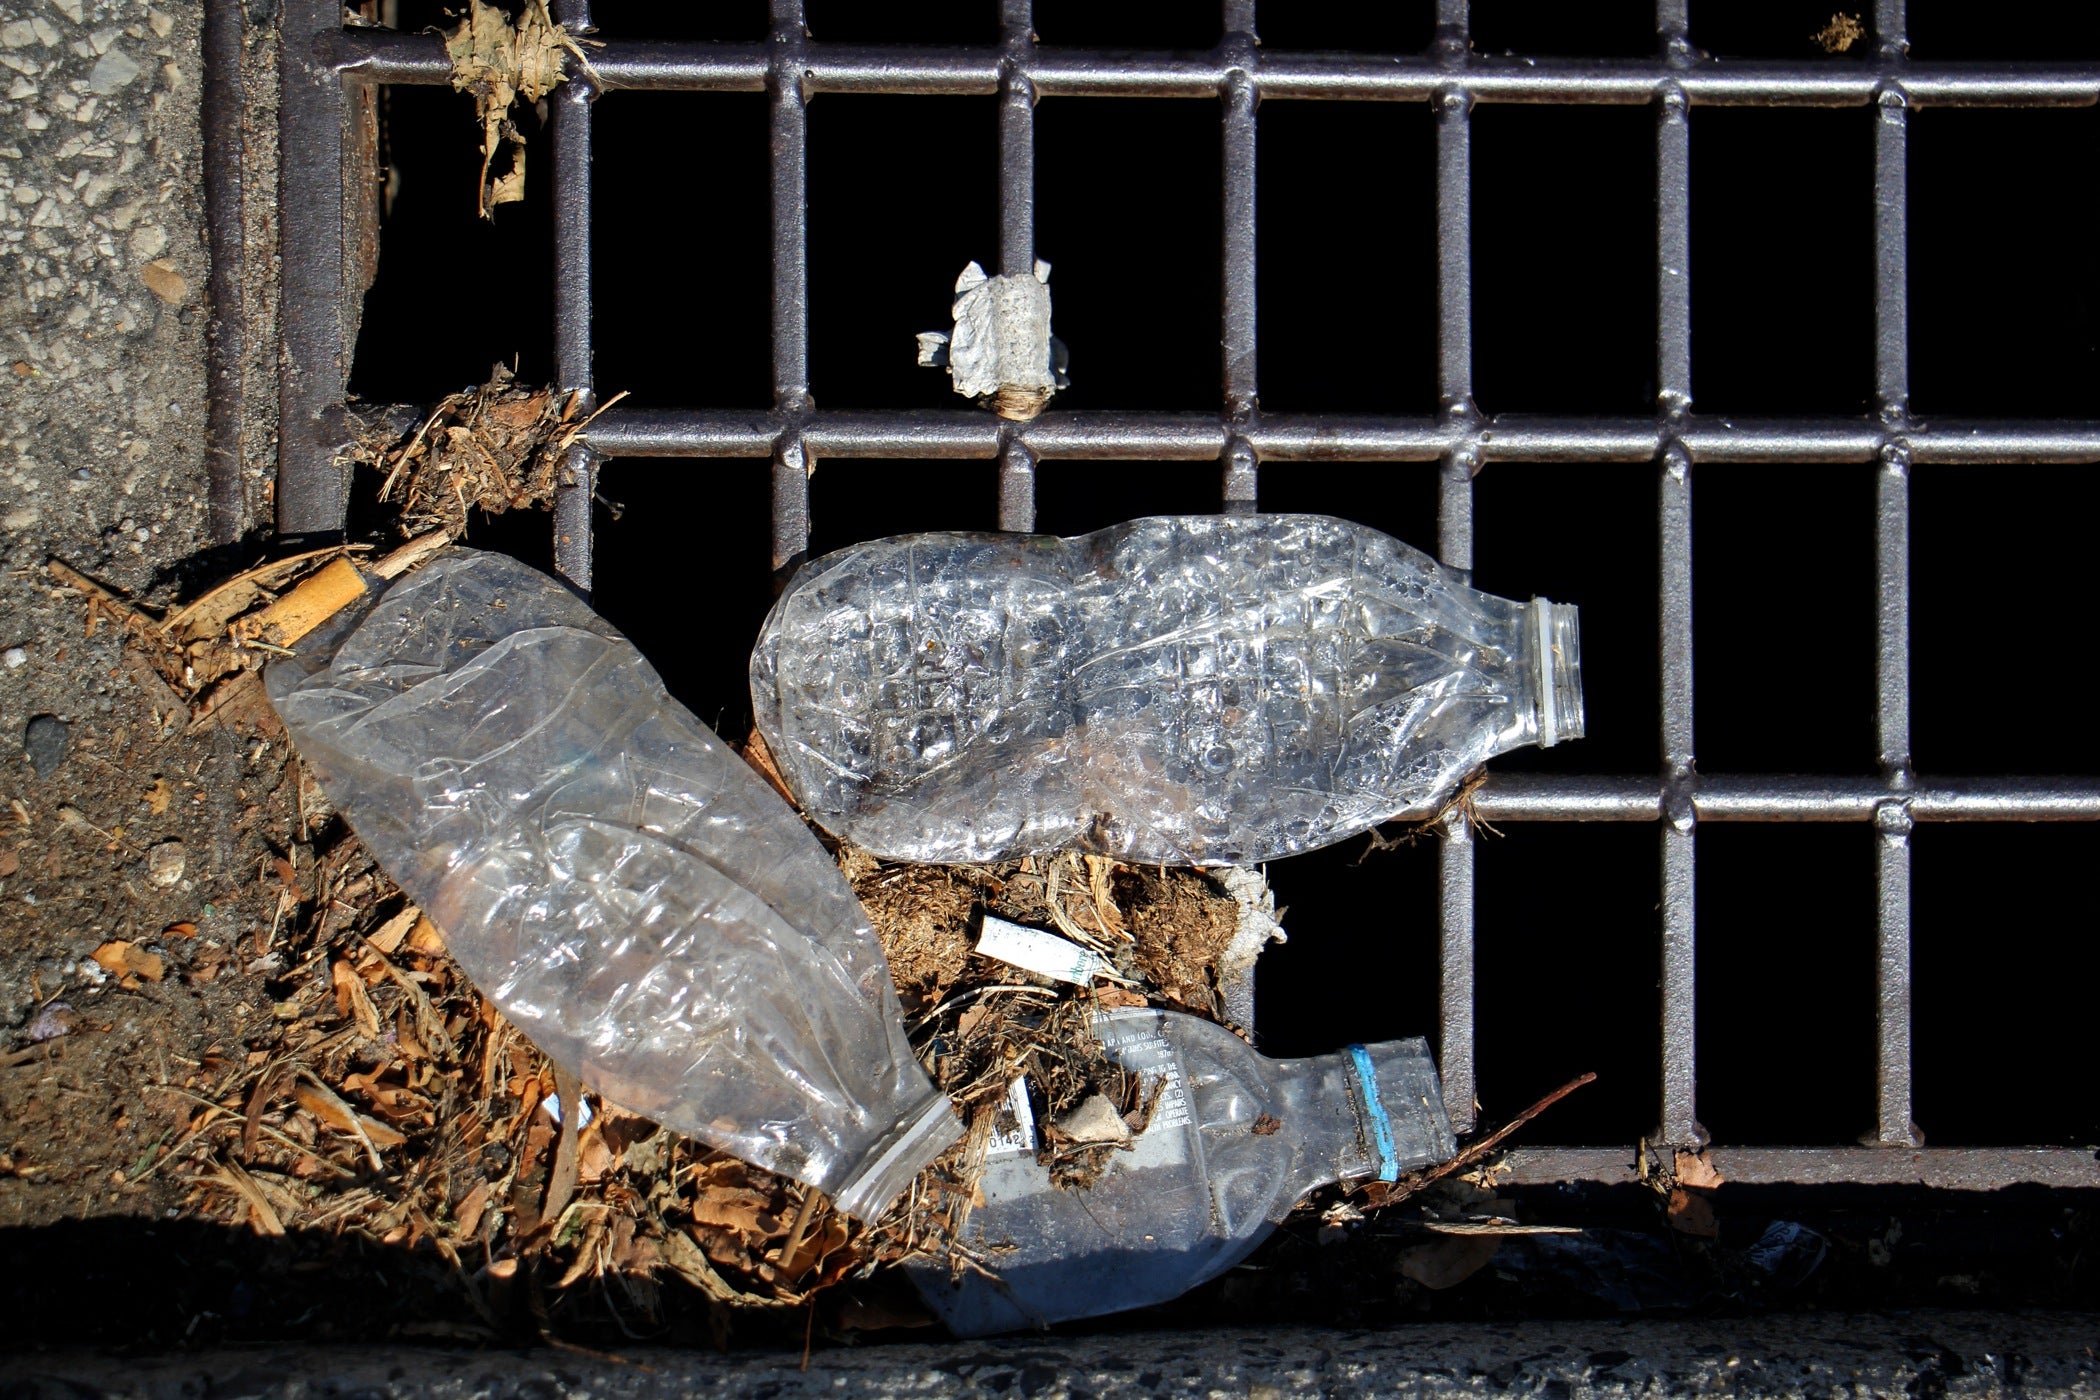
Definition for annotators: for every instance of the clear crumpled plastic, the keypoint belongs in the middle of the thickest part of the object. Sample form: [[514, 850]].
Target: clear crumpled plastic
[[1234, 1142], [623, 886], [1205, 690]]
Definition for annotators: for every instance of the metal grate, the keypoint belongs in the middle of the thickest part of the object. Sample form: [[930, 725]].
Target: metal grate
[[327, 69]]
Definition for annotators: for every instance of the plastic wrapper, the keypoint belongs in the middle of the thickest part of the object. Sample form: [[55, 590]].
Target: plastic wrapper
[[623, 886], [1204, 690], [1234, 1141]]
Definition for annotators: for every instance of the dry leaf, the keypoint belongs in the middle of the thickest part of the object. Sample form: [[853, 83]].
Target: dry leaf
[[165, 282], [156, 797], [351, 999], [469, 1212], [390, 933], [128, 959], [10, 862], [185, 929], [749, 1213], [1692, 1215], [338, 1115], [498, 63], [1697, 1169]]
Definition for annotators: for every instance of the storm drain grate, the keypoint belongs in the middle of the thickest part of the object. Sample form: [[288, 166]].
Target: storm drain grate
[[331, 72]]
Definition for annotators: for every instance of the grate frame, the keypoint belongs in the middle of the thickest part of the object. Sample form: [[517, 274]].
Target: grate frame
[[327, 69]]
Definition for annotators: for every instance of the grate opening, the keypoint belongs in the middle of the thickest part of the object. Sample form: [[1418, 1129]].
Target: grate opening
[[1582, 534], [902, 192], [2004, 298], [2004, 917], [1126, 198], [1568, 966], [2065, 29], [1786, 959], [2010, 584], [1783, 605], [1564, 259], [453, 293], [1783, 234], [719, 589], [1347, 313], [681, 307]]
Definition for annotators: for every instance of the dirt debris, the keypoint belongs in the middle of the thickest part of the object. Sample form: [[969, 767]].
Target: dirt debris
[[500, 60], [500, 446], [1840, 34]]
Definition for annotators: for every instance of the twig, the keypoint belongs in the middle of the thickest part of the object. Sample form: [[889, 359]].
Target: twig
[[1476, 1151], [810, 1196]]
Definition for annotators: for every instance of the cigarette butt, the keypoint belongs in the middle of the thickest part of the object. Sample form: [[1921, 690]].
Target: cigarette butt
[[323, 594]]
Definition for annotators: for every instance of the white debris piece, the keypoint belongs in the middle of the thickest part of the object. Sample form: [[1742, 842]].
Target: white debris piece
[[1257, 929], [1042, 953], [1001, 352]]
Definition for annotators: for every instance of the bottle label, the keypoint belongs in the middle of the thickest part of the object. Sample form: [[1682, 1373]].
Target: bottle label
[[1139, 1047], [1013, 1131]]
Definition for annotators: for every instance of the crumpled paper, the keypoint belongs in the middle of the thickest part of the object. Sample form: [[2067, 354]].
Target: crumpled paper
[[1001, 352]]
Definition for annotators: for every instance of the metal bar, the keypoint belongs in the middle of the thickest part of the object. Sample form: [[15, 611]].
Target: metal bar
[[227, 331], [960, 433], [1892, 818], [1673, 377], [1016, 140], [1016, 228], [1947, 1168], [572, 300], [1457, 985], [313, 491], [1520, 797], [787, 62], [1239, 477], [382, 56], [1016, 487]]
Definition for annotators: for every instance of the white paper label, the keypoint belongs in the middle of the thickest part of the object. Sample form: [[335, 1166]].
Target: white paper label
[[1043, 953]]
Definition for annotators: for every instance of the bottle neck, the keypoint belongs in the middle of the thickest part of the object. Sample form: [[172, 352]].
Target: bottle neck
[[1370, 1112], [1555, 647]]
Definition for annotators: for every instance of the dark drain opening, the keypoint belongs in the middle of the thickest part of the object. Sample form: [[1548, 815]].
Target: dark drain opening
[[1564, 297]]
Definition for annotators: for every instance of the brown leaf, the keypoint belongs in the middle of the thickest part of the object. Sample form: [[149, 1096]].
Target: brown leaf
[[351, 998], [165, 282], [1697, 1169], [128, 959], [185, 929], [390, 933], [1692, 1215], [1118, 997], [156, 797], [749, 1213], [339, 1116], [470, 1210], [10, 862]]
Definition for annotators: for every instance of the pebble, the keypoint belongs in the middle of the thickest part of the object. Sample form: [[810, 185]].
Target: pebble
[[164, 863], [54, 1020], [15, 657], [114, 70], [46, 741]]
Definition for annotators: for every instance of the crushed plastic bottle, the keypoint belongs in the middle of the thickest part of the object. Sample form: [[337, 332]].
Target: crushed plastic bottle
[[1205, 690], [1235, 1140], [624, 887]]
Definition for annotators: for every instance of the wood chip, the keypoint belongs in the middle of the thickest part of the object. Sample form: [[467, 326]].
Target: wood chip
[[170, 286], [127, 959]]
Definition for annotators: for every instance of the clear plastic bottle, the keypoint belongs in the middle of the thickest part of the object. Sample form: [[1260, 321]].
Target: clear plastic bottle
[[1207, 690], [1235, 1141], [624, 887]]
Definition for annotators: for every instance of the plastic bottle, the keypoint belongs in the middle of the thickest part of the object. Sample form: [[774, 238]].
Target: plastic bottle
[[624, 887], [1235, 1141], [1204, 690]]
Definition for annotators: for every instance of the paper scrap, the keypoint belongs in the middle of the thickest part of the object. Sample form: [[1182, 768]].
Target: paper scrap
[[1042, 953], [1001, 352]]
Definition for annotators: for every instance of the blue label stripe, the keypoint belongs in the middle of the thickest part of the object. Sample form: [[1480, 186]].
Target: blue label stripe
[[1381, 1126]]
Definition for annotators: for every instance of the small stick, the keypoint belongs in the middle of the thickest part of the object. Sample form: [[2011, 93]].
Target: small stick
[[800, 1227], [1474, 1152]]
